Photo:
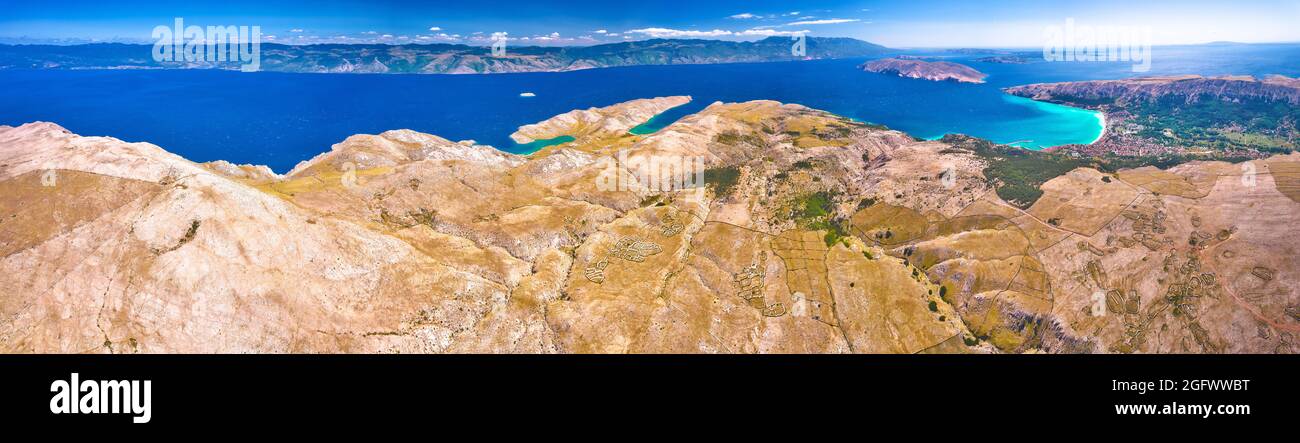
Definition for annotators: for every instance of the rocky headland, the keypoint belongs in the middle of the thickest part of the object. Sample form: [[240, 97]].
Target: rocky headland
[[590, 125]]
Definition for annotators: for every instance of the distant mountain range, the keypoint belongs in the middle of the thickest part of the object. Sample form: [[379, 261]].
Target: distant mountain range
[[447, 58]]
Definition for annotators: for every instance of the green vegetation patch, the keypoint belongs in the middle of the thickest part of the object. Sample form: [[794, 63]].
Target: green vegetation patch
[[1017, 173], [1208, 122], [814, 206], [815, 211], [722, 180], [867, 203], [733, 138]]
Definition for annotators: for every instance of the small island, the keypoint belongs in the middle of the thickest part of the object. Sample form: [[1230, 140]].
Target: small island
[[928, 70], [1005, 59]]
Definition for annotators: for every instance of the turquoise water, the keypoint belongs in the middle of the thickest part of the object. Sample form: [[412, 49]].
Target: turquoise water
[[537, 145], [1058, 122], [662, 120], [1054, 125], [280, 119]]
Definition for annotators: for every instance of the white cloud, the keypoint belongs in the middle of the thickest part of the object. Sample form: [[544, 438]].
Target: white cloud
[[370, 33], [677, 33], [768, 32], [613, 34], [484, 37], [829, 21], [295, 30], [793, 13], [601, 31], [435, 29], [743, 16], [441, 36]]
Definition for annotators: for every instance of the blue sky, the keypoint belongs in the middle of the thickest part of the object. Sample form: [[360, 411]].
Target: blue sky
[[915, 23]]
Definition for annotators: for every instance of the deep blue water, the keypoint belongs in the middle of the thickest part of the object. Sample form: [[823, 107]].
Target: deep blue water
[[279, 119]]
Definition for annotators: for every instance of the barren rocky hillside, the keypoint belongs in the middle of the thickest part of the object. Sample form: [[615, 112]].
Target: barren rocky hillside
[[813, 234], [924, 69]]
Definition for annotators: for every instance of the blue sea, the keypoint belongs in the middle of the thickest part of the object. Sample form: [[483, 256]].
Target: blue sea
[[280, 119]]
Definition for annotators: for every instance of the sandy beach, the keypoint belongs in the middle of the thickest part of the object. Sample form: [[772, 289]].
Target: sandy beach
[[1101, 118]]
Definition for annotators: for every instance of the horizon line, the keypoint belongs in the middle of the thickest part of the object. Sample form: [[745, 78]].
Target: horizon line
[[488, 45]]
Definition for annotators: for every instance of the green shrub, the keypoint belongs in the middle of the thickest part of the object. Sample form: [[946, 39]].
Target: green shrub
[[722, 180]]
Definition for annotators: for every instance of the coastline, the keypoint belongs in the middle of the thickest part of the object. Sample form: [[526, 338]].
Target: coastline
[[1101, 120], [1077, 127]]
